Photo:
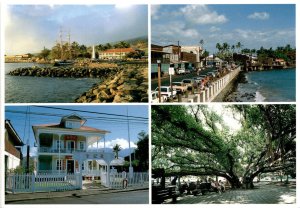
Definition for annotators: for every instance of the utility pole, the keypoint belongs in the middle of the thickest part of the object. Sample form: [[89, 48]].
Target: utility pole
[[178, 52], [27, 157], [159, 81], [130, 165]]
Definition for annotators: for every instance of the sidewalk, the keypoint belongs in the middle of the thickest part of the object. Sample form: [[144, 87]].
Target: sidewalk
[[263, 193], [47, 195]]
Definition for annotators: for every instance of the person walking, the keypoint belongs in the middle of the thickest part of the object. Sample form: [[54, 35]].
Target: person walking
[[125, 180]]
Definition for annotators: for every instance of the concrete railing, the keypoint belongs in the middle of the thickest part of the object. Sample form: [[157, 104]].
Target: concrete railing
[[210, 93]]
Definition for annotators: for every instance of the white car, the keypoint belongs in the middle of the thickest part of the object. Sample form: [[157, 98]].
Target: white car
[[181, 71], [155, 98], [166, 91]]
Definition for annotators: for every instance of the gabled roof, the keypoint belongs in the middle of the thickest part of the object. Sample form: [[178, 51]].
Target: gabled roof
[[82, 128], [14, 137], [73, 117]]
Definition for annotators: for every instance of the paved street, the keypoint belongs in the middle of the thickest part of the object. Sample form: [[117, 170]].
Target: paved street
[[262, 194], [165, 81], [130, 197]]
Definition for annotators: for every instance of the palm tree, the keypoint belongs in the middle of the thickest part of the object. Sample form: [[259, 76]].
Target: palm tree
[[253, 51], [201, 42], [219, 46], [239, 45], [116, 149], [232, 48]]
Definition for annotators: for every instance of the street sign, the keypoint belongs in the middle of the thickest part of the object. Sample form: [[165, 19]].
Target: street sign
[[171, 71]]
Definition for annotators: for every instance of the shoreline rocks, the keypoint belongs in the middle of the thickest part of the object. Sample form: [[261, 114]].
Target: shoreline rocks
[[68, 72], [234, 95], [128, 85]]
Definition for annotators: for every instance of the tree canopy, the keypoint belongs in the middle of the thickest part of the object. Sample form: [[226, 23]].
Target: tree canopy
[[198, 140]]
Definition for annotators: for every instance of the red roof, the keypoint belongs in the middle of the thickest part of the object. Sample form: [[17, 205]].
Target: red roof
[[118, 50], [82, 128]]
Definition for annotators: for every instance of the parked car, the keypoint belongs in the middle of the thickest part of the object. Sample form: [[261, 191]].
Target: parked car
[[188, 82], [166, 91], [212, 74], [181, 71], [191, 68], [198, 79], [179, 87], [155, 98], [203, 76], [188, 71]]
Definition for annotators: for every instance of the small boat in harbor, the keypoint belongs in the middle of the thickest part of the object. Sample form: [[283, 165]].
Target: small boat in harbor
[[63, 62]]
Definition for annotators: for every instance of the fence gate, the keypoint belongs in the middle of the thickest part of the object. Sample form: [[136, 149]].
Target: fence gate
[[137, 179], [42, 182]]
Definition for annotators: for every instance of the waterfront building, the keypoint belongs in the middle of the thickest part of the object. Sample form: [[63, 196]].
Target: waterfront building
[[157, 53], [213, 60], [115, 53], [194, 50], [173, 53]]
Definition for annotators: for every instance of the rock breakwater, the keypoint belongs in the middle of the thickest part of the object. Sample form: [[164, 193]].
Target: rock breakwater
[[128, 85], [75, 72]]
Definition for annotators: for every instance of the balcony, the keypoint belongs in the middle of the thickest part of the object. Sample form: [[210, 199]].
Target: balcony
[[62, 150]]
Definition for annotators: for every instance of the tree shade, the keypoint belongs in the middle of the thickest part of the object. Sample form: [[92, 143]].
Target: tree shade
[[198, 140]]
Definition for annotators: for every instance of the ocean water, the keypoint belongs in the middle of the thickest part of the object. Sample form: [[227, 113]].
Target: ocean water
[[20, 89], [271, 86]]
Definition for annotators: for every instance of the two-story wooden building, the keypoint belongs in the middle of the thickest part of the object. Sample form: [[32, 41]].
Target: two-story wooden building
[[115, 53], [58, 143]]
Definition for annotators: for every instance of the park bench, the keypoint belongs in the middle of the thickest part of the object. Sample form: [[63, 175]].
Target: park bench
[[159, 194], [162, 192], [202, 188]]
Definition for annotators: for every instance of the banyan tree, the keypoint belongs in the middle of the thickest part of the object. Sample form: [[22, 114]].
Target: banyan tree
[[237, 142]]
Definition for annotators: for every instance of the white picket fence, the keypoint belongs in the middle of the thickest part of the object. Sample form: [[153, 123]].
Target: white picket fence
[[116, 180], [42, 182]]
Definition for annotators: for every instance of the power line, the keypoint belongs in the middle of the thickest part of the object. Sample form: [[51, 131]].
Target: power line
[[117, 120], [83, 111]]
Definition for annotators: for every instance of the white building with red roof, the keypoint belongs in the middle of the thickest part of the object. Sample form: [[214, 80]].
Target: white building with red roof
[[70, 147], [115, 53]]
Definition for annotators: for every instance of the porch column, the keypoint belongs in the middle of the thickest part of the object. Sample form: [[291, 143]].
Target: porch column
[[59, 146], [38, 156], [104, 142]]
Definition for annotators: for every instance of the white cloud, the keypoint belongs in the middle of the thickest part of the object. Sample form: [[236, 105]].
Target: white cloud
[[121, 141], [154, 11], [214, 29], [201, 14], [173, 30], [259, 16], [33, 151], [40, 25]]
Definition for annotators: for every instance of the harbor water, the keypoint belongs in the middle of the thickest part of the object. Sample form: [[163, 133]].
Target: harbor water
[[25, 89], [268, 86]]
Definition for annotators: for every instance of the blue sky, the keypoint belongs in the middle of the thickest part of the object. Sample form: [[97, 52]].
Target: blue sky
[[28, 28], [118, 129], [253, 25]]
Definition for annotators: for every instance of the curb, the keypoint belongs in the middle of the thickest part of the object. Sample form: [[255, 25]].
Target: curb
[[74, 194]]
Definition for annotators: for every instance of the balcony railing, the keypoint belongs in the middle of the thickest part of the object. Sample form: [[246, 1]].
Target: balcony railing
[[62, 150]]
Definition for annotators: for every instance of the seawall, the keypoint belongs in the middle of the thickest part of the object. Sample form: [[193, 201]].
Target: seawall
[[216, 87]]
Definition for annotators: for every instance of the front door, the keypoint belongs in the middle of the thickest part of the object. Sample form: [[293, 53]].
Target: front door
[[71, 145], [70, 166]]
